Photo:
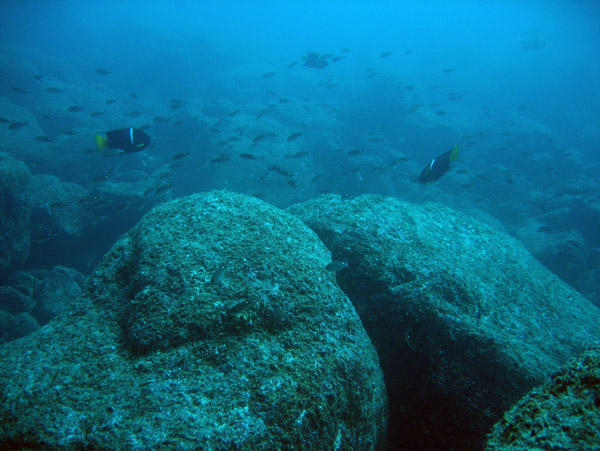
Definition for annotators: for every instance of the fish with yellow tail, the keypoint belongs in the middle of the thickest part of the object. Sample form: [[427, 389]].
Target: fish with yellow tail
[[129, 140], [438, 166]]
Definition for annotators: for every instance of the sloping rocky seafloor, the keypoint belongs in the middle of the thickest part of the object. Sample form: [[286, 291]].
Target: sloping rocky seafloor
[[165, 348], [465, 321], [210, 325]]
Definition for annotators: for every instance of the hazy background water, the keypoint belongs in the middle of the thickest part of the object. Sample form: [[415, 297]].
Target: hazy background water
[[457, 72]]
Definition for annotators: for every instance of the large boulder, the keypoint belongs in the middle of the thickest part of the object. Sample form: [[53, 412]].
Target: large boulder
[[562, 414], [14, 214], [210, 325], [464, 319]]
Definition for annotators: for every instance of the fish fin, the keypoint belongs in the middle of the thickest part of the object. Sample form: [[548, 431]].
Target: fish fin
[[101, 142], [454, 153]]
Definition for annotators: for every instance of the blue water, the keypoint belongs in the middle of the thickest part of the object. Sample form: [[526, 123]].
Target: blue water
[[405, 82], [515, 84]]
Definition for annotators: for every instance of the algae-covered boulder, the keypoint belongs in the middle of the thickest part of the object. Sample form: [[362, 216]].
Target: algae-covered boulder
[[14, 214], [210, 325], [562, 414], [464, 319]]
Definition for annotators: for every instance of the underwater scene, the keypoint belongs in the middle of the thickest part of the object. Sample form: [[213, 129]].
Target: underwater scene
[[321, 225]]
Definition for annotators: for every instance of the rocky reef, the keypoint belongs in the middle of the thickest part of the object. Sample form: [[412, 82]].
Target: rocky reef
[[212, 324], [465, 320], [14, 214], [30, 299], [564, 413]]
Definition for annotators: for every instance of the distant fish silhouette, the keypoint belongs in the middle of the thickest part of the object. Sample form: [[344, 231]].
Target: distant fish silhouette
[[315, 60]]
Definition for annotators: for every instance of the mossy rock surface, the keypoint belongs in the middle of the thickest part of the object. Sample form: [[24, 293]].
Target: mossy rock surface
[[562, 414], [465, 320], [156, 354]]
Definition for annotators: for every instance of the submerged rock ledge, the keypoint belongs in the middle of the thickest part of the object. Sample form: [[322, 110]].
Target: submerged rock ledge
[[158, 353], [465, 320]]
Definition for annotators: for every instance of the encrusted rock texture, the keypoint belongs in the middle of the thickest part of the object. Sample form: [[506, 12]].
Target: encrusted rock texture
[[464, 319], [212, 324], [562, 414]]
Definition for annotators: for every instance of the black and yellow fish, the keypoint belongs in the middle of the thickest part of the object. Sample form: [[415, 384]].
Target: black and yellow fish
[[127, 139], [438, 166]]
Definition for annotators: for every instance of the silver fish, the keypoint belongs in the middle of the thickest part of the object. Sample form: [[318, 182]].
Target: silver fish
[[218, 275], [336, 266]]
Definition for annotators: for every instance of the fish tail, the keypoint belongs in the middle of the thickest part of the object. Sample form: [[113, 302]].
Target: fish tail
[[454, 153], [101, 142]]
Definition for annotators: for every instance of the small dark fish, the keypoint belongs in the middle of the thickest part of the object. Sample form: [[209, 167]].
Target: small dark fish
[[263, 136], [546, 229], [53, 90], [177, 103], [102, 71], [345, 50], [293, 184], [38, 77], [180, 155], [448, 70], [135, 113], [292, 64], [284, 100], [218, 275], [281, 171], [158, 119], [44, 139], [408, 51], [247, 156], [17, 125], [75, 108], [455, 96], [294, 136], [397, 161], [240, 307], [100, 178], [299, 154], [20, 90], [233, 113], [269, 74], [161, 189], [335, 59], [97, 113], [110, 101], [221, 159], [336, 265], [385, 54], [540, 206], [3, 120], [122, 207], [133, 95], [68, 131], [441, 112], [356, 151]]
